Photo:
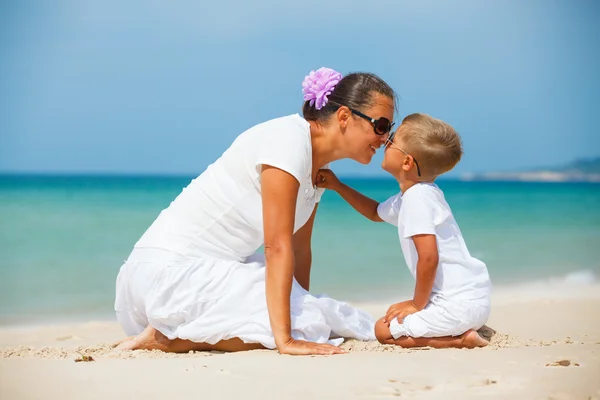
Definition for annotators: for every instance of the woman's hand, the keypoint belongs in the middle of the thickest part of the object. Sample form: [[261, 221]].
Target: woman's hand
[[327, 179], [301, 347]]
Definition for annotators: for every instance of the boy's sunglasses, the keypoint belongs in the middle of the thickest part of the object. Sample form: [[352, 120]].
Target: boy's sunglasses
[[390, 142], [381, 126]]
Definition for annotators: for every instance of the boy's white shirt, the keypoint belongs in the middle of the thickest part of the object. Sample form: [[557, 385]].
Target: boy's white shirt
[[422, 209]]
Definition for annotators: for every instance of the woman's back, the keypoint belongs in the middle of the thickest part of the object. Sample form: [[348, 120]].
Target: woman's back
[[220, 212]]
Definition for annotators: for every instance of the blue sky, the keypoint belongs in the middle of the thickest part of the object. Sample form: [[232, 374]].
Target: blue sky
[[163, 87]]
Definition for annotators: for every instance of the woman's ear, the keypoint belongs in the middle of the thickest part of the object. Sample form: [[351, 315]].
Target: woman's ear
[[343, 115]]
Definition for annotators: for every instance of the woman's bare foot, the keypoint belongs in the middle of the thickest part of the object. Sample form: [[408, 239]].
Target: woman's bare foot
[[471, 339], [149, 339]]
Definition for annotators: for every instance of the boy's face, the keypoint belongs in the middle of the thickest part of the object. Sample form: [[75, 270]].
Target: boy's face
[[393, 159]]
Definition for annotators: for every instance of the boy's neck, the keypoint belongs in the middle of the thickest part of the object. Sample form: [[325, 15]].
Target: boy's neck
[[406, 184]]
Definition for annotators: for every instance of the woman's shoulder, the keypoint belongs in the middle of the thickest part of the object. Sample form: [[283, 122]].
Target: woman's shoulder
[[291, 127], [289, 135], [282, 142]]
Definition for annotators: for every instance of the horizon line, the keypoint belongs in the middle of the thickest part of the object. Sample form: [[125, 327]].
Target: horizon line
[[108, 174]]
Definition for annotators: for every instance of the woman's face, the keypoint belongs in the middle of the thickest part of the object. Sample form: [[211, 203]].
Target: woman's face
[[361, 141]]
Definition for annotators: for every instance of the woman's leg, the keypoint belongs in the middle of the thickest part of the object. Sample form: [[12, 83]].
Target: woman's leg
[[469, 340], [151, 339]]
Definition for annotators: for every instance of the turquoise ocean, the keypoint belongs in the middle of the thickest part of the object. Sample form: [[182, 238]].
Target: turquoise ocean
[[64, 238]]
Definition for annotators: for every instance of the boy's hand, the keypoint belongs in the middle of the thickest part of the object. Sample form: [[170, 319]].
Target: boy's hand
[[400, 311], [327, 179]]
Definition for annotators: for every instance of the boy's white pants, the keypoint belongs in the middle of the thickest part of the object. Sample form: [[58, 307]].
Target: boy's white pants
[[443, 317]]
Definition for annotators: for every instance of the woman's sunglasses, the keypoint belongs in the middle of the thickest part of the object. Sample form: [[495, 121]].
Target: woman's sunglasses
[[381, 126]]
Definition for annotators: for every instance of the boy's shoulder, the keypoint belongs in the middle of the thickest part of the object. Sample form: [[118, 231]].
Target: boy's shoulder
[[425, 196], [389, 210], [424, 191], [394, 200]]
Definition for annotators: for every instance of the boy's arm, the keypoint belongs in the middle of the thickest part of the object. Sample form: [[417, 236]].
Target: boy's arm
[[361, 203], [428, 258], [426, 268]]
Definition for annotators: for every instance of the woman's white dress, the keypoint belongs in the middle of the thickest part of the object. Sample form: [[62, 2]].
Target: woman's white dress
[[195, 273]]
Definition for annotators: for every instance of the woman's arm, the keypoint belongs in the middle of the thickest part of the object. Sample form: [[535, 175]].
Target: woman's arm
[[279, 195], [303, 251]]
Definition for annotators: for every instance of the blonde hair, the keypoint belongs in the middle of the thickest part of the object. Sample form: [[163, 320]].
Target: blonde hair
[[434, 143]]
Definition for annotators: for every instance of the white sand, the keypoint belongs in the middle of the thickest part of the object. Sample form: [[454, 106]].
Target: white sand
[[533, 334]]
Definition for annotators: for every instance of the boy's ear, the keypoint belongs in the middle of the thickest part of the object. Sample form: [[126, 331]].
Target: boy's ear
[[407, 163]]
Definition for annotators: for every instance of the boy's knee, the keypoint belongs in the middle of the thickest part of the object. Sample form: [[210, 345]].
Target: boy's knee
[[382, 332]]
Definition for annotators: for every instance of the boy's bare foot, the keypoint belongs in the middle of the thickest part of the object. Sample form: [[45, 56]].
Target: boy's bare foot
[[149, 339], [471, 339], [118, 342]]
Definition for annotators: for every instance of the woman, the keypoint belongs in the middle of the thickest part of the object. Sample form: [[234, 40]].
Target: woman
[[194, 280]]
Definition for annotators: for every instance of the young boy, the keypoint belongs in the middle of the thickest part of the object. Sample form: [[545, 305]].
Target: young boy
[[452, 292]]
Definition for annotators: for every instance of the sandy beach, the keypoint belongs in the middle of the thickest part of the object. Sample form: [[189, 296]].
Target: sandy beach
[[545, 347]]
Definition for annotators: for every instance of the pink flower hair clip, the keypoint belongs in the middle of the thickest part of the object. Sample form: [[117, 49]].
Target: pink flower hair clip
[[318, 85]]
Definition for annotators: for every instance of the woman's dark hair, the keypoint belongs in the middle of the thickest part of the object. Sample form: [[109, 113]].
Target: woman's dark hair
[[353, 91]]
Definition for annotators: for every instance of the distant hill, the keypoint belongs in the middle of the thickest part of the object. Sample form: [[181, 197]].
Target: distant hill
[[583, 170], [586, 166]]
